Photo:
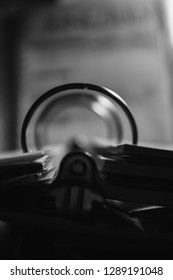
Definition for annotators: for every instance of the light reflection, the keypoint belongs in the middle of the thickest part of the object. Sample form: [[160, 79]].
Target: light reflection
[[169, 17]]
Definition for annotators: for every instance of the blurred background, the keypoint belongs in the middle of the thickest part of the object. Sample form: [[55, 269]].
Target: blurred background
[[125, 45]]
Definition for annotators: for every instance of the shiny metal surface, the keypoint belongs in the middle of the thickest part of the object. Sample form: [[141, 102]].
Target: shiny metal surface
[[98, 100], [73, 102]]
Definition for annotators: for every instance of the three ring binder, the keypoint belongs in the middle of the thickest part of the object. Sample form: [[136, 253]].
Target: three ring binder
[[91, 188]]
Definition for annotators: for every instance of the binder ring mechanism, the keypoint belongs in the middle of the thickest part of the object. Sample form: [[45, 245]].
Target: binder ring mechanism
[[101, 100]]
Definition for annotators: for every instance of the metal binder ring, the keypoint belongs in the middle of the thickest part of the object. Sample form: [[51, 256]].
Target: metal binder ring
[[59, 90]]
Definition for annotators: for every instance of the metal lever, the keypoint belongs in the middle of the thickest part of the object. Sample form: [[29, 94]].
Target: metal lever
[[75, 188]]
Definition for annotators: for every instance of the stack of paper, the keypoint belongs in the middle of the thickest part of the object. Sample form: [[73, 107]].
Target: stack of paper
[[24, 168], [138, 174]]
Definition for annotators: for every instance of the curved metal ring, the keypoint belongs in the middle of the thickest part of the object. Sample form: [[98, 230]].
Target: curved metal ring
[[85, 99], [72, 86]]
